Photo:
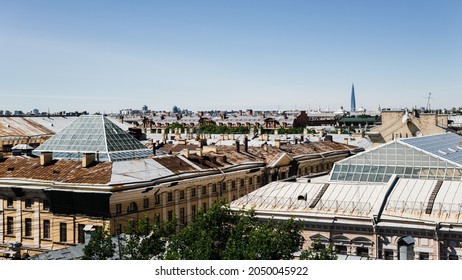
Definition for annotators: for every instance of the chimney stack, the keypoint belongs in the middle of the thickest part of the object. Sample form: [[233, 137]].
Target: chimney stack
[[46, 158], [277, 143], [199, 152], [345, 141], [237, 146], [265, 147], [87, 159], [185, 153], [246, 144]]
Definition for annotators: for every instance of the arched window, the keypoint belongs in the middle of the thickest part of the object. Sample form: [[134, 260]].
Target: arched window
[[362, 246], [132, 207], [341, 244]]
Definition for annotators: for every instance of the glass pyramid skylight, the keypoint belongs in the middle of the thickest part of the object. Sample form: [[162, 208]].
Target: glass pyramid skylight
[[94, 134]]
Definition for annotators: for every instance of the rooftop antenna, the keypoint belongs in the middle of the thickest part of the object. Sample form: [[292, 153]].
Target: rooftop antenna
[[428, 101]]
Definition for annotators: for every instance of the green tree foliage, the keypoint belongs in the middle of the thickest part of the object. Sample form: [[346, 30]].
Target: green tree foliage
[[270, 240], [143, 241], [317, 252], [221, 129], [100, 246], [215, 234], [205, 238], [221, 233]]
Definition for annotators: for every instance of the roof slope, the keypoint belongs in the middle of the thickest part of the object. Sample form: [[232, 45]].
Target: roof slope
[[61, 171], [18, 126], [94, 134]]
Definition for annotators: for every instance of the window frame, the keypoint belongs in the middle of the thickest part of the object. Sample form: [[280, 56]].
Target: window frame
[[63, 232], [46, 229], [27, 227]]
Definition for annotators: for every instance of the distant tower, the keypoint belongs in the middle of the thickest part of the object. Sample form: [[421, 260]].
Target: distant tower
[[353, 99]]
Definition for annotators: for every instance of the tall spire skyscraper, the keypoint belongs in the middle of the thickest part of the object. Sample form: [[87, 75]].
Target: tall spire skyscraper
[[353, 98]]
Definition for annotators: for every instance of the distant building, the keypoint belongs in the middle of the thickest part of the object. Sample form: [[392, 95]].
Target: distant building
[[405, 124], [353, 99]]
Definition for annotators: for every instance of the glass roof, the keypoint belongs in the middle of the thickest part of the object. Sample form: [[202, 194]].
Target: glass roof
[[94, 134], [448, 145], [423, 160]]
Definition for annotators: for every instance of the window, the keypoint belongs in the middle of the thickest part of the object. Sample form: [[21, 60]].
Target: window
[[28, 203], [193, 192], [46, 229], [193, 211], [204, 206], [46, 205], [204, 190], [119, 229], [81, 233], [9, 225], [258, 179], [62, 232], [132, 207], [342, 250], [157, 218], [214, 188], [9, 202], [250, 181], [233, 184], [28, 227], [242, 182], [223, 187], [181, 194], [182, 216], [157, 199], [388, 254], [170, 196], [170, 215], [424, 256], [118, 209], [362, 251], [146, 203]]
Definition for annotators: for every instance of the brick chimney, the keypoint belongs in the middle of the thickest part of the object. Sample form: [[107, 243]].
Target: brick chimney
[[46, 158], [88, 159], [277, 143]]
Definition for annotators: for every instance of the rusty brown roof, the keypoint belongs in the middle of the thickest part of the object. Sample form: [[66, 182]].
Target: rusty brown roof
[[18, 126], [176, 148], [62, 171], [175, 164], [314, 148]]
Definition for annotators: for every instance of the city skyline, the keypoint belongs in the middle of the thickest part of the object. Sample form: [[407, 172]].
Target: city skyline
[[109, 55]]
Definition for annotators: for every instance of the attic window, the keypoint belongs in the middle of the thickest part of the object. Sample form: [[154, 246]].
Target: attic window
[[10, 169]]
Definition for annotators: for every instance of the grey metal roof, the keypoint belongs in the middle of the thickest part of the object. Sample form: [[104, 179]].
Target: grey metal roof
[[448, 145], [94, 134]]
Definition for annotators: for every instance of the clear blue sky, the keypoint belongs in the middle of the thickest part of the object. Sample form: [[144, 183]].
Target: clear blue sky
[[107, 55]]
